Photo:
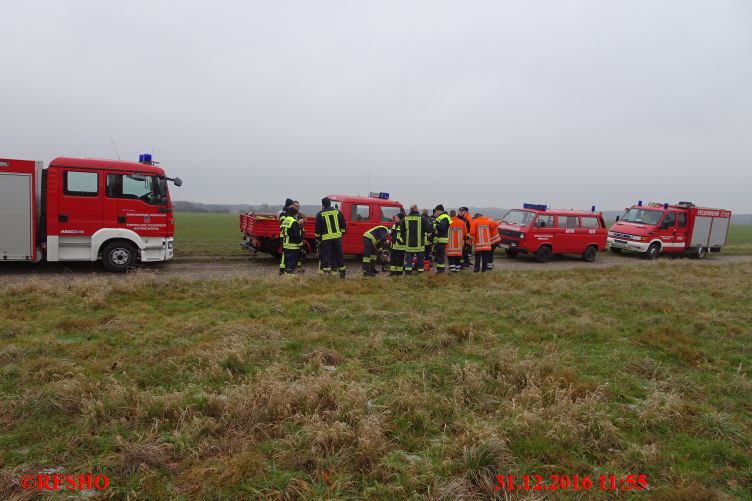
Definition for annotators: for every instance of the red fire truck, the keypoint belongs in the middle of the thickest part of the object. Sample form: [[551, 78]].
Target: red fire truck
[[682, 228], [261, 231], [543, 232], [80, 209]]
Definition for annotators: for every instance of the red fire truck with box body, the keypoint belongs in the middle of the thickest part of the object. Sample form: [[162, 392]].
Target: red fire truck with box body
[[261, 231], [656, 228], [543, 232], [80, 209]]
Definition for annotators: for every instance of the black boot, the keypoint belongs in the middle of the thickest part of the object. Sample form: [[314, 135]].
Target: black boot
[[342, 273]]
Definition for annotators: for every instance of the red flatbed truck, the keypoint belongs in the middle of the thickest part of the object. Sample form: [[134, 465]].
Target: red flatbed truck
[[684, 228], [81, 209], [261, 231]]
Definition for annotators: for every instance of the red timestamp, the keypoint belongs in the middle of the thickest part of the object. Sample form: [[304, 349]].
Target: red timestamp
[[631, 482]]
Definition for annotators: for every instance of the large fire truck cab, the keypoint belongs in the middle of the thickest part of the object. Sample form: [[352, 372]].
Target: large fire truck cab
[[544, 232], [655, 228], [81, 209]]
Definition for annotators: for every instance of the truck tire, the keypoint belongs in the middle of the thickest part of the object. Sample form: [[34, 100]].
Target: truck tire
[[510, 252], [653, 251], [119, 256], [543, 254], [701, 253], [590, 253], [616, 250]]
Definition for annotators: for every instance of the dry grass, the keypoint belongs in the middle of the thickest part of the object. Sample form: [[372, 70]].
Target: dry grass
[[306, 389]]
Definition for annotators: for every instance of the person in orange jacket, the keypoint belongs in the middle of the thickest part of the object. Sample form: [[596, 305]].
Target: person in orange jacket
[[464, 213], [495, 241], [456, 244], [480, 234]]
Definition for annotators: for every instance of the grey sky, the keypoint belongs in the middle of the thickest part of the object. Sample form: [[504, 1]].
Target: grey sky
[[466, 102]]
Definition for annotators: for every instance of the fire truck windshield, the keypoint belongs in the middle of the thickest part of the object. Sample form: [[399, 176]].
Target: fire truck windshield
[[642, 216], [518, 217]]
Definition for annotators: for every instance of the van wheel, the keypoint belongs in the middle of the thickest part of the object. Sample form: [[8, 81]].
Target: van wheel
[[653, 251], [616, 250], [119, 256], [590, 254], [701, 253], [510, 252], [543, 254]]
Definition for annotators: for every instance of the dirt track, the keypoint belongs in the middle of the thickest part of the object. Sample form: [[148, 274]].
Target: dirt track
[[209, 267]]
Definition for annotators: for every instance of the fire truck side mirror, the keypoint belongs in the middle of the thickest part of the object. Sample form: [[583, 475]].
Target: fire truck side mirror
[[617, 218], [177, 181]]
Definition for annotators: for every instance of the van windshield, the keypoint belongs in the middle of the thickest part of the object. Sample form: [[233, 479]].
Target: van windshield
[[643, 216], [518, 217]]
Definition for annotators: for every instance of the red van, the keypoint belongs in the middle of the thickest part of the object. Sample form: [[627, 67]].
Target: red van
[[535, 229]]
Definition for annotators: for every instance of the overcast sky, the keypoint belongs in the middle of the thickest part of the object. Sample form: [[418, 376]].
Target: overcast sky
[[467, 102]]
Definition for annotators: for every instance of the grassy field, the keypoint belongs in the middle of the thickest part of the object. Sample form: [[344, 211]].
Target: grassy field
[[219, 235], [308, 388]]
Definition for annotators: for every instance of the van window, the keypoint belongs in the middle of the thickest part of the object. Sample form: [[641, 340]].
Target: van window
[[360, 213], [590, 222], [682, 220], [80, 184], [544, 222], [387, 213], [568, 222], [669, 220]]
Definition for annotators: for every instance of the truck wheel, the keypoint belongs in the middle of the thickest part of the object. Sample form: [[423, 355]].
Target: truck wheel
[[119, 256], [510, 252], [653, 251], [590, 254], [543, 254], [616, 250], [701, 253]]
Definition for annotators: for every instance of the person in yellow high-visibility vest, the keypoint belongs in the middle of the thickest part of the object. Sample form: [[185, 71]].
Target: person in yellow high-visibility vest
[[330, 226], [373, 241], [441, 224]]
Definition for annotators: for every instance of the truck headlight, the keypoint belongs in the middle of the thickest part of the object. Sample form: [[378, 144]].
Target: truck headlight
[[635, 237]]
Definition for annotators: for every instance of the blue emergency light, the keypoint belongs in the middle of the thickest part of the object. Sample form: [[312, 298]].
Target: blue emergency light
[[592, 208], [379, 194], [665, 206], [144, 158], [639, 203], [534, 206]]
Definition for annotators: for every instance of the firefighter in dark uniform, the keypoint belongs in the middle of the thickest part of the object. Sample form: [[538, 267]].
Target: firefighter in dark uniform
[[428, 253], [373, 241], [282, 215], [397, 250], [440, 236], [330, 226], [414, 228], [292, 239]]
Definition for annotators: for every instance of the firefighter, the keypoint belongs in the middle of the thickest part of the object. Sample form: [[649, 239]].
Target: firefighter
[[456, 242], [495, 241], [292, 239], [464, 213], [428, 252], [414, 229], [373, 241], [480, 233], [330, 226], [397, 250], [441, 224], [282, 215]]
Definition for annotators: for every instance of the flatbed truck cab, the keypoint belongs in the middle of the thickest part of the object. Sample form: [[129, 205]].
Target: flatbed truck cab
[[655, 228], [543, 232], [81, 209], [261, 231]]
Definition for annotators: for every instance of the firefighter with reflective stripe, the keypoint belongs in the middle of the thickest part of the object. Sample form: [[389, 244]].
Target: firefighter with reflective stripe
[[373, 241], [428, 252], [456, 242], [292, 239], [397, 250], [283, 214], [414, 228], [330, 226], [480, 234], [464, 213], [495, 241], [441, 224]]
